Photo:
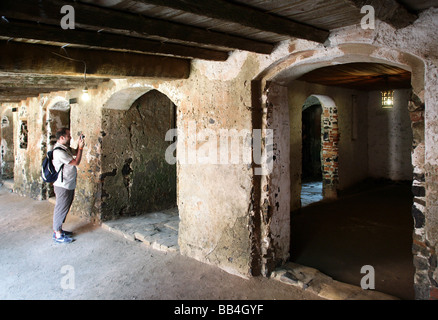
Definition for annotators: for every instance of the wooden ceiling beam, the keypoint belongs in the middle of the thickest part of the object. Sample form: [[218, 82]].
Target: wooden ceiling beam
[[27, 91], [102, 40], [42, 59], [98, 18], [11, 100], [18, 80], [246, 16], [15, 97], [19, 94]]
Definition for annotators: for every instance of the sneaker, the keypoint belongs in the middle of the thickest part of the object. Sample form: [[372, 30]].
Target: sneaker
[[67, 233], [62, 239], [64, 233]]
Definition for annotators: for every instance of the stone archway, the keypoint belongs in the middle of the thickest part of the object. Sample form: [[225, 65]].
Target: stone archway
[[272, 194], [57, 117]]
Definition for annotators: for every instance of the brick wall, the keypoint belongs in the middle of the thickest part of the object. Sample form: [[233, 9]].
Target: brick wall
[[330, 151]]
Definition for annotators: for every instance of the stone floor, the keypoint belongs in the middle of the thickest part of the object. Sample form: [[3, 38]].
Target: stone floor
[[102, 265], [311, 192], [314, 281], [158, 229]]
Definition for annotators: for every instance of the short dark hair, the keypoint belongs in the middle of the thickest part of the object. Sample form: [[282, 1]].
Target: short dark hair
[[61, 132]]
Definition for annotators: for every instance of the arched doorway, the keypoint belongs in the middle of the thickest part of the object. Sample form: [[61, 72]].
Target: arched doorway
[[272, 88], [58, 116], [319, 151], [135, 177], [311, 141], [311, 171]]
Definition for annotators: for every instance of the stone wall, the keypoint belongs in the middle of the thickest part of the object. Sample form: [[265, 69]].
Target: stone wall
[[389, 137], [29, 144], [213, 199], [230, 216], [7, 145]]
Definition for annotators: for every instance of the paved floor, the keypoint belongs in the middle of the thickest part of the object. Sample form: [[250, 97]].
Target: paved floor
[[158, 230], [106, 266], [138, 259]]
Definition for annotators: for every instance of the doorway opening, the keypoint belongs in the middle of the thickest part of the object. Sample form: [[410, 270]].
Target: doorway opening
[[369, 222], [311, 173], [373, 238], [58, 118]]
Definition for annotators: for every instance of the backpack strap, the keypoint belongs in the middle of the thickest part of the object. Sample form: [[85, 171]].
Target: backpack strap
[[62, 165]]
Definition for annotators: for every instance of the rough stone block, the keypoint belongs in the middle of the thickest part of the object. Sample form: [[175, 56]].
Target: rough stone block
[[419, 218]]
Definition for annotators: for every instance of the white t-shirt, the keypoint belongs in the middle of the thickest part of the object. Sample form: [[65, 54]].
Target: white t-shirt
[[69, 172]]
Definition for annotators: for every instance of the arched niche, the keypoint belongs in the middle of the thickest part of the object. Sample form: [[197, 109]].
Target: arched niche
[[136, 178], [124, 98]]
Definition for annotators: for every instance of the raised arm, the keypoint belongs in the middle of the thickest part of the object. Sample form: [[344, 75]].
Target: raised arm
[[76, 161]]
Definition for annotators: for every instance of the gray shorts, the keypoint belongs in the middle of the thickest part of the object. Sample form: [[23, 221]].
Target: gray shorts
[[64, 199]]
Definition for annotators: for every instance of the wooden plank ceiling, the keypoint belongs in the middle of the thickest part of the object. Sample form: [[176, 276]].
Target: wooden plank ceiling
[[157, 38], [360, 76]]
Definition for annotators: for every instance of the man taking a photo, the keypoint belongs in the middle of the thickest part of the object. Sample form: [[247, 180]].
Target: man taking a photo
[[65, 185]]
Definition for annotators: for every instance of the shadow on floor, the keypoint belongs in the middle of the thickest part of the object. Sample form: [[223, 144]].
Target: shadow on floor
[[370, 224]]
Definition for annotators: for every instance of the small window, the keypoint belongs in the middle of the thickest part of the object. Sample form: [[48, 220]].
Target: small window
[[23, 135]]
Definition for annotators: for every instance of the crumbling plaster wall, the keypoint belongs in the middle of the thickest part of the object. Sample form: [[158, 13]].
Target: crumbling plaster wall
[[7, 145], [28, 158], [86, 118], [423, 107], [27, 173], [214, 199]]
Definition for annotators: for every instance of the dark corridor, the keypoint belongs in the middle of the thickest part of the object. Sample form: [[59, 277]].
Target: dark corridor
[[370, 224], [311, 143]]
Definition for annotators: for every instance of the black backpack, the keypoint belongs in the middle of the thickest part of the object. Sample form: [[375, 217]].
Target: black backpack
[[48, 171]]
